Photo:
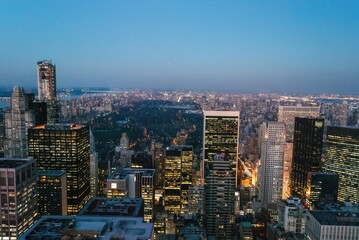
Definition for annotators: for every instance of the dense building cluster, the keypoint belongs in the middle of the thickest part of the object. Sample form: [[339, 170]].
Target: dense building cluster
[[177, 165]]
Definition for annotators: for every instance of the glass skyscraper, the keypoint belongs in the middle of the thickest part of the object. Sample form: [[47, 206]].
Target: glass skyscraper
[[307, 152], [342, 157], [221, 135]]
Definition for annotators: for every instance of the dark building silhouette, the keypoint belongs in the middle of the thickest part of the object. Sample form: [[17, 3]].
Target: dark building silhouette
[[307, 152], [52, 192], [321, 186]]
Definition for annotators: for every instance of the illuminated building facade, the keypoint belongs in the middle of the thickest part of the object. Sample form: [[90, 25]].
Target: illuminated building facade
[[64, 147], [18, 201], [272, 159], [134, 183], [321, 186], [178, 178], [287, 169], [221, 135], [52, 192], [219, 200], [342, 157], [307, 152], [46, 74]]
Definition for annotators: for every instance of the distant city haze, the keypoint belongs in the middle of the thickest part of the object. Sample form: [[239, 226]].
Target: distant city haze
[[243, 46]]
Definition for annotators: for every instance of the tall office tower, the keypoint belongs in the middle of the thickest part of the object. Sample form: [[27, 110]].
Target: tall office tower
[[291, 215], [18, 119], [307, 152], [341, 157], [321, 186], [18, 202], [52, 192], [219, 203], [221, 135], [272, 158], [64, 147], [93, 166], [287, 115], [178, 178], [343, 117], [134, 183], [158, 160], [46, 73]]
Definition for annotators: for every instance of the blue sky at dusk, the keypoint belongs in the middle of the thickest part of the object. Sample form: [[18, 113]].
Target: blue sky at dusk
[[285, 46]]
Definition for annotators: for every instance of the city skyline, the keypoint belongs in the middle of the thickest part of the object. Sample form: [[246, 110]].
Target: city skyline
[[226, 46]]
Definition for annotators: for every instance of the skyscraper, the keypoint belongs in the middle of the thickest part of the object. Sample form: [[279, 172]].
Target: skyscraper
[[93, 166], [178, 178], [307, 152], [221, 135], [287, 115], [341, 157], [64, 147], [272, 158], [18, 202], [46, 73], [52, 192], [219, 203], [18, 118]]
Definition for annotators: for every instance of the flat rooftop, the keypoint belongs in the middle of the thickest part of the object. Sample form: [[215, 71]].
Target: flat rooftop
[[131, 207], [60, 126], [341, 218], [123, 173], [89, 228], [13, 162]]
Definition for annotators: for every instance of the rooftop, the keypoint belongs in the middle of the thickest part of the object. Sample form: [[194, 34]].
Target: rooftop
[[85, 227], [336, 218], [13, 162], [60, 126], [131, 207], [123, 173]]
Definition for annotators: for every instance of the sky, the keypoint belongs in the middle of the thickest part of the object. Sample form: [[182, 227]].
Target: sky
[[242, 46]]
